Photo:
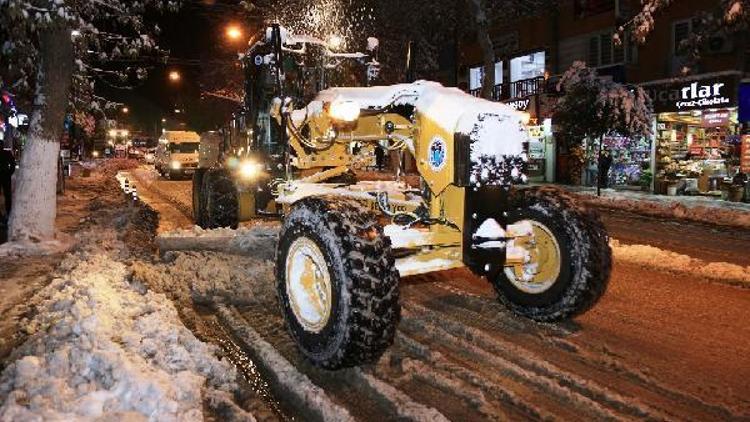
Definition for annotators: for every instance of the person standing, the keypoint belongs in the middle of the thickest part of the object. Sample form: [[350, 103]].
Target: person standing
[[7, 167], [605, 162], [379, 157]]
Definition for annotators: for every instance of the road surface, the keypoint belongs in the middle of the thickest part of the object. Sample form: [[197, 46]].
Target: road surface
[[657, 346]]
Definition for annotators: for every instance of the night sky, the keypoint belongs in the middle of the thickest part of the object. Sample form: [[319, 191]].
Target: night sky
[[198, 48]]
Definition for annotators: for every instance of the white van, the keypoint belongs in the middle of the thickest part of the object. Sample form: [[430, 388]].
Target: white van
[[177, 153]]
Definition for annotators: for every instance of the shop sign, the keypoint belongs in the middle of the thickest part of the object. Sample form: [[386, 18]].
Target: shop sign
[[715, 118], [536, 150], [711, 92], [745, 154], [536, 132], [520, 105], [744, 103]]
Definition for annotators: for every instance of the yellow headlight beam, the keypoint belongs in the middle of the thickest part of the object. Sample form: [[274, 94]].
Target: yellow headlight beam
[[249, 169]]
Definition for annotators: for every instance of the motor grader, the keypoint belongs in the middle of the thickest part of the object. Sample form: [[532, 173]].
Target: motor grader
[[344, 244]]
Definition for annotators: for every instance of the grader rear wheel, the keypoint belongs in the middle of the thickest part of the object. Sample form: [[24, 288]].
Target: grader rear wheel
[[569, 258], [336, 281], [221, 204]]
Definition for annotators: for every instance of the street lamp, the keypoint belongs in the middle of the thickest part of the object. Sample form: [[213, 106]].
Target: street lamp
[[125, 110], [174, 76], [234, 32], [335, 42]]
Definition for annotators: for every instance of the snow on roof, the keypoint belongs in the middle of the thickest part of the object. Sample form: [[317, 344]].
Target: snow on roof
[[441, 104]]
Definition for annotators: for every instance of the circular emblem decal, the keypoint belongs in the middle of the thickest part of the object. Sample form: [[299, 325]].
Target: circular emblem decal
[[258, 60], [437, 153]]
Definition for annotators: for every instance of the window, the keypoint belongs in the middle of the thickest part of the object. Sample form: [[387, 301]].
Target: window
[[585, 8], [527, 67], [681, 31], [604, 51], [476, 74], [184, 147]]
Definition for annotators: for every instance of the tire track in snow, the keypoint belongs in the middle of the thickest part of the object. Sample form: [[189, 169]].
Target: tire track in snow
[[310, 396], [521, 365], [459, 315], [373, 398]]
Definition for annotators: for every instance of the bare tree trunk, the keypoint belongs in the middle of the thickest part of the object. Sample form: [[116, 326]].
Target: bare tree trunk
[[35, 204], [485, 43]]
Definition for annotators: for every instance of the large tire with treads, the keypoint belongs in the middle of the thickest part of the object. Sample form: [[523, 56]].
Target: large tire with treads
[[221, 206], [199, 198], [585, 256], [345, 311]]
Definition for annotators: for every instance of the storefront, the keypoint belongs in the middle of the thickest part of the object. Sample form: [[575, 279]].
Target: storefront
[[541, 164], [696, 147]]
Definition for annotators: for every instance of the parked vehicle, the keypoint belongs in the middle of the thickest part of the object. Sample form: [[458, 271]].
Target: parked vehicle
[[150, 156], [177, 154]]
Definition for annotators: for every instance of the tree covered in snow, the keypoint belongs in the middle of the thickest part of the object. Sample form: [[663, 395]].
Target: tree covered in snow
[[593, 107], [727, 17], [53, 51]]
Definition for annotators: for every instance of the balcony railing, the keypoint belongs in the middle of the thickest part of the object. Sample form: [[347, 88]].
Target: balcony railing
[[515, 90]]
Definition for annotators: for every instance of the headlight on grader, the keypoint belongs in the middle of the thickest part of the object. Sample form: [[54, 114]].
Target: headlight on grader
[[344, 111], [250, 169], [176, 165]]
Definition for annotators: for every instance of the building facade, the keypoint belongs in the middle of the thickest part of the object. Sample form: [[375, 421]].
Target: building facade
[[697, 126]]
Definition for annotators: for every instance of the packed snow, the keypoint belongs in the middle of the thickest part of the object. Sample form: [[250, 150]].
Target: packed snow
[[660, 259], [692, 208]]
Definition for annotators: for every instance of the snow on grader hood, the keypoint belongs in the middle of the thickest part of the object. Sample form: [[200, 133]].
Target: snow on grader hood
[[486, 137]]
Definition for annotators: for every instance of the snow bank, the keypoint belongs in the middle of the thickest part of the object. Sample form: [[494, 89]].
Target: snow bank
[[29, 248], [99, 347], [674, 262], [692, 208]]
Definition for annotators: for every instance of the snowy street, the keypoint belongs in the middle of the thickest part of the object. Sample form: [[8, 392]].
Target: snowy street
[[351, 210], [650, 349]]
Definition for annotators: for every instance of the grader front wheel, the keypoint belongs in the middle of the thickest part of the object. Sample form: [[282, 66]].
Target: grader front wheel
[[336, 281], [566, 262]]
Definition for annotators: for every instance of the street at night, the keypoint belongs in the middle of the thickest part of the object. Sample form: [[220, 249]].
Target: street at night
[[365, 210]]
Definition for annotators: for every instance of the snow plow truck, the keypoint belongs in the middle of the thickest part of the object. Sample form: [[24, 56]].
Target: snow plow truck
[[344, 244]]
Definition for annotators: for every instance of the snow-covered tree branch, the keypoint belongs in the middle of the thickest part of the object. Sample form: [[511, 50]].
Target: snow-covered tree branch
[[51, 50]]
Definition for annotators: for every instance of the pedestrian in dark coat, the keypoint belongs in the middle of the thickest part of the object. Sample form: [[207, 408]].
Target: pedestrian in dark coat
[[7, 167], [605, 162], [379, 157]]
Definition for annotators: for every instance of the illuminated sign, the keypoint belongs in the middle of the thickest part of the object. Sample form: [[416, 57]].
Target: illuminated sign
[[536, 132], [702, 96], [715, 118], [520, 105], [711, 92]]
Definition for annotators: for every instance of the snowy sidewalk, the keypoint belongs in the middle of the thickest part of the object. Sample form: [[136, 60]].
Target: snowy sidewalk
[[693, 208]]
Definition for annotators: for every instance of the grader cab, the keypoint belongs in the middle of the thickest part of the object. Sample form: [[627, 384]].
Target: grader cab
[[344, 244]]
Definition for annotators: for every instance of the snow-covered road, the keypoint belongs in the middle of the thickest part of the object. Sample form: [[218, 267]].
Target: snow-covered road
[[666, 341]]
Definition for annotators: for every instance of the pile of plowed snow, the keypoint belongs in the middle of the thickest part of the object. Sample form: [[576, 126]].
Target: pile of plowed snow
[[101, 347], [652, 257], [691, 208]]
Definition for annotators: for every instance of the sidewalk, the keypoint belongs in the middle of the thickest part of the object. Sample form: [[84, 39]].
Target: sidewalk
[[692, 208]]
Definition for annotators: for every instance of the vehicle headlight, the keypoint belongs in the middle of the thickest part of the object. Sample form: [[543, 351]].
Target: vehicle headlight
[[344, 111], [176, 165], [250, 169]]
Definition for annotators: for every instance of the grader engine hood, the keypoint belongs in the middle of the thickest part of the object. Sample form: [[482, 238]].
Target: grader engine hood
[[459, 139]]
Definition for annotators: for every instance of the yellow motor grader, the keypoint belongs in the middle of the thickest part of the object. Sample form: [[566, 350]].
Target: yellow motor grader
[[344, 244]]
